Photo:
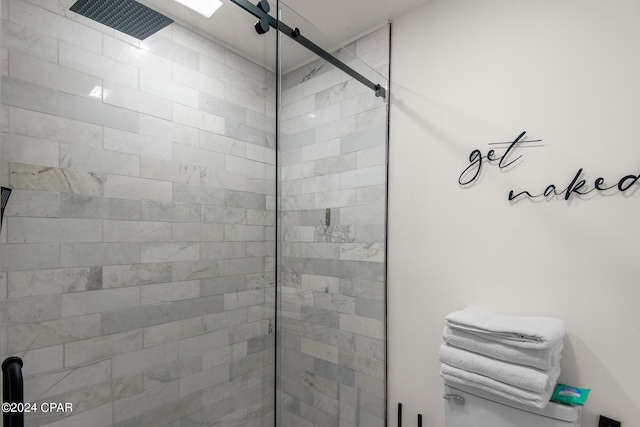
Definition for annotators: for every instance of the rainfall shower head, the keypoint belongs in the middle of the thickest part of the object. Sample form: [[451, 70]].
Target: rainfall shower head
[[126, 16], [6, 192]]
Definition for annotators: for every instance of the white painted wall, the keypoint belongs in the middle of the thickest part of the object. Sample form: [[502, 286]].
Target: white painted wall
[[466, 73]]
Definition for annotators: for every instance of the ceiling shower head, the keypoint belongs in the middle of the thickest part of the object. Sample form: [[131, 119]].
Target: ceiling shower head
[[126, 16]]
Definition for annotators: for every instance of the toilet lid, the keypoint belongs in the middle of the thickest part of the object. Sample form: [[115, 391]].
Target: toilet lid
[[554, 410]]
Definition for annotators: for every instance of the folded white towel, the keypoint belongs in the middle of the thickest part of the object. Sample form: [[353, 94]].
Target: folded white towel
[[459, 376], [540, 358], [519, 331], [524, 377]]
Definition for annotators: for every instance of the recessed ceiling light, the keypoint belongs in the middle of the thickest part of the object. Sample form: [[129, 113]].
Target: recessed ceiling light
[[203, 7]]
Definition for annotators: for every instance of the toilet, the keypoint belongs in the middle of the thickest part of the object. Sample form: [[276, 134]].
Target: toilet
[[471, 407]]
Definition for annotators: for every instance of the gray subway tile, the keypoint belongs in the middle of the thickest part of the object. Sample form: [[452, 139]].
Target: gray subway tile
[[56, 281], [333, 371], [92, 254], [31, 309], [93, 349], [166, 372], [134, 318], [116, 276], [33, 335], [186, 309], [79, 303]]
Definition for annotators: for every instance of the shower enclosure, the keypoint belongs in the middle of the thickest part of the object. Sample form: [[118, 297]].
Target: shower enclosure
[[195, 235]]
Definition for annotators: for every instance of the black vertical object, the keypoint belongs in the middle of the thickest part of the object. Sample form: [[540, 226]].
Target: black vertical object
[[12, 391], [419, 420], [399, 414], [6, 192], [608, 422]]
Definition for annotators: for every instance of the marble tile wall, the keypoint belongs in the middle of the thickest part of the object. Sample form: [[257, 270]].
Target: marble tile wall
[[331, 325], [137, 254]]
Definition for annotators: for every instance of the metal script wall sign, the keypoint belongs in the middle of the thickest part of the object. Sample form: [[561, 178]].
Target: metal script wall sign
[[577, 185]]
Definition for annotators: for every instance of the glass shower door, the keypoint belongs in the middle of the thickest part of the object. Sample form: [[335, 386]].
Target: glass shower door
[[332, 163], [137, 251]]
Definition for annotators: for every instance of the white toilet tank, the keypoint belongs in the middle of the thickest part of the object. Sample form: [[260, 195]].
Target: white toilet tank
[[471, 407]]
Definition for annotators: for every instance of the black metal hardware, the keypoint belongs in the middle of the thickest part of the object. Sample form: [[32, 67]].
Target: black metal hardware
[[264, 6], [262, 26], [12, 392], [266, 20]]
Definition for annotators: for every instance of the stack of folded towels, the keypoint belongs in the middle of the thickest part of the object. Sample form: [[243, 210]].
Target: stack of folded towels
[[516, 357]]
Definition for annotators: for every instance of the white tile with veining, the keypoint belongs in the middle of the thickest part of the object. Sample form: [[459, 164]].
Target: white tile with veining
[[40, 360], [93, 110], [202, 45], [298, 108], [168, 130], [204, 83], [170, 251], [102, 416], [246, 167], [167, 292], [27, 40], [376, 156], [135, 56], [170, 171], [375, 118], [31, 96], [55, 26], [320, 150], [29, 256], [73, 156], [79, 303], [51, 75], [336, 129], [137, 188], [370, 252], [321, 82], [321, 116], [54, 128], [167, 332], [247, 67], [24, 149], [115, 93], [250, 98], [197, 232], [43, 230], [62, 381], [188, 155], [145, 358], [53, 332], [136, 231], [261, 154], [222, 73], [198, 119], [32, 177], [375, 175], [95, 64], [169, 89], [222, 144], [91, 254]]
